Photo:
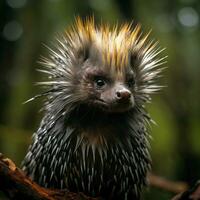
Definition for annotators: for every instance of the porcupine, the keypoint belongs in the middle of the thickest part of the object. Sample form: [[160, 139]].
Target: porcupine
[[93, 137]]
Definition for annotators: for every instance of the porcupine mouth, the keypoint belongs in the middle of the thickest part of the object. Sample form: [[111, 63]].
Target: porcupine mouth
[[114, 107]]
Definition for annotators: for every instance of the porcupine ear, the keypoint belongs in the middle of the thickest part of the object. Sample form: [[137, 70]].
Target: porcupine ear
[[83, 54], [134, 60]]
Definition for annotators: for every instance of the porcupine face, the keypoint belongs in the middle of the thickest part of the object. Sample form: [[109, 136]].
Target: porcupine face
[[107, 90]]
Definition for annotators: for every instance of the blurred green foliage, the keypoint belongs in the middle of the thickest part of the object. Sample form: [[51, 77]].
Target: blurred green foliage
[[27, 24]]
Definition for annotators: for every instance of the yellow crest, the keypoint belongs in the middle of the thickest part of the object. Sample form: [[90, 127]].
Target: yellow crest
[[115, 44]]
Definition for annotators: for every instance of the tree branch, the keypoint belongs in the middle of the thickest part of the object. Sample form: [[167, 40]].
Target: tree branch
[[16, 185], [192, 194], [167, 185]]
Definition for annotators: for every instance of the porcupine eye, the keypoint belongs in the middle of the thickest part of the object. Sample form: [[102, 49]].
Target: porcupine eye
[[99, 82]]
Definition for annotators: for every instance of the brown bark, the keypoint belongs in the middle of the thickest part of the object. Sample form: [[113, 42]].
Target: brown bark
[[16, 185], [167, 185]]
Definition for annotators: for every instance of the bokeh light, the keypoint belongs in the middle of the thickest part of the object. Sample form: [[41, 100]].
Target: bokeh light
[[188, 17], [16, 3], [12, 30]]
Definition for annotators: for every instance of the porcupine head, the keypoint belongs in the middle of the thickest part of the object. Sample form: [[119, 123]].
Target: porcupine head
[[93, 136]]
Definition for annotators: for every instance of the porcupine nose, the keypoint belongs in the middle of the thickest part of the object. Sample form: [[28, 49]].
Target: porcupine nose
[[123, 95]]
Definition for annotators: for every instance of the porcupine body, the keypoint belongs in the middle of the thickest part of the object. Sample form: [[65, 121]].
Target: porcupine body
[[93, 136]]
